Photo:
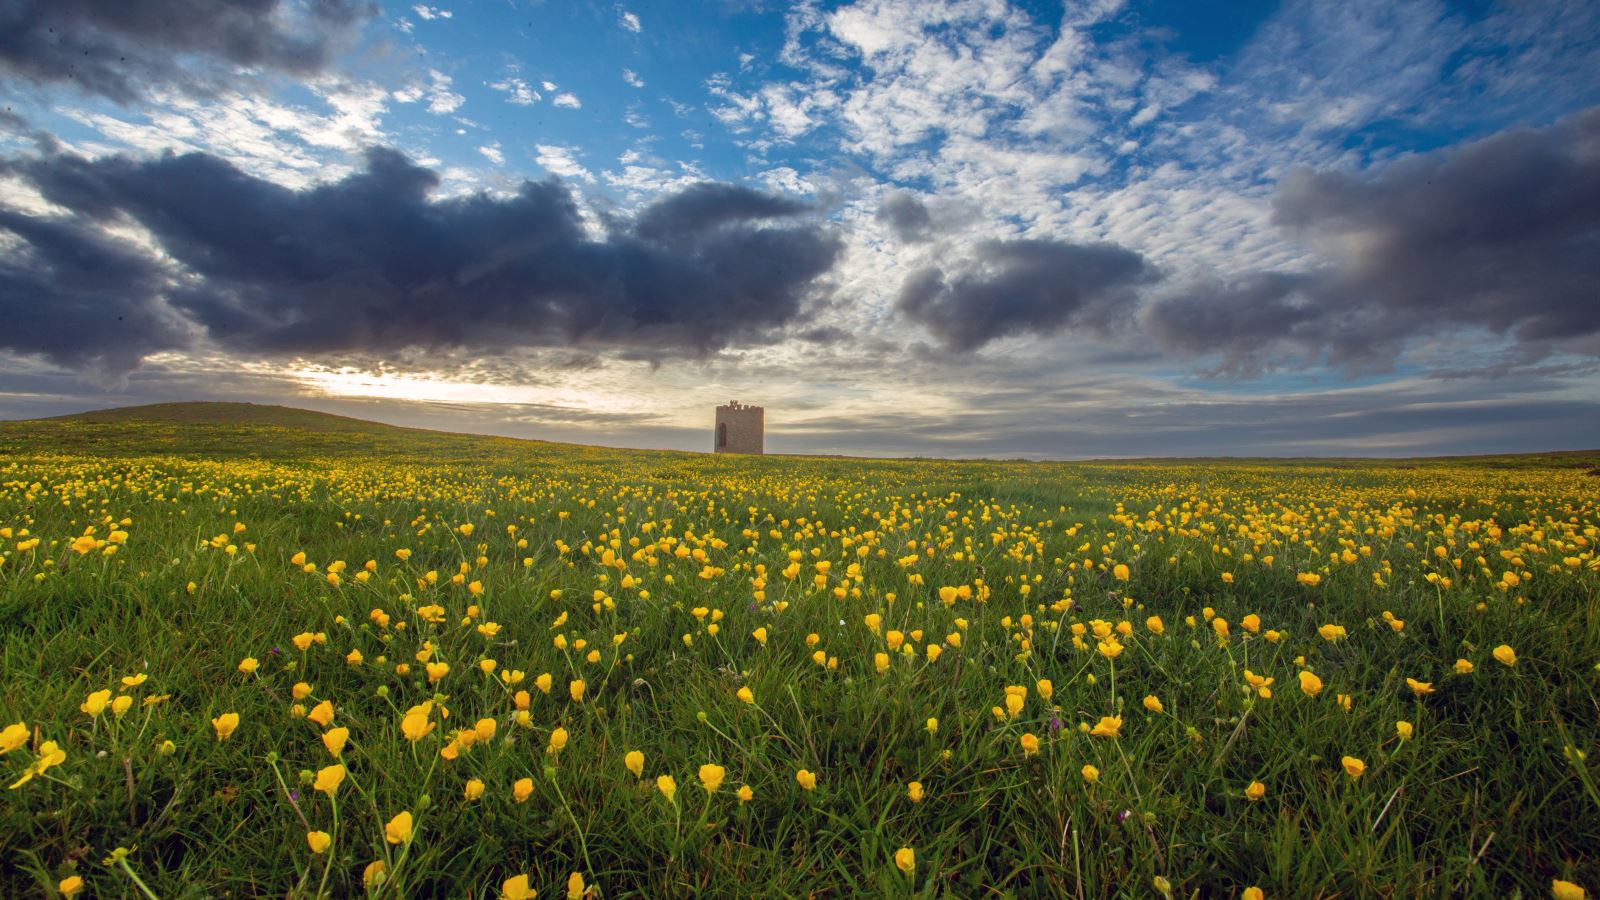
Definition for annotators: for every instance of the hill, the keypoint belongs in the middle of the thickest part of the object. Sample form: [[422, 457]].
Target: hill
[[232, 430]]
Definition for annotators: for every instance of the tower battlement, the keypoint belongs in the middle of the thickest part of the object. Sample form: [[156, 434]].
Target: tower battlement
[[739, 429]]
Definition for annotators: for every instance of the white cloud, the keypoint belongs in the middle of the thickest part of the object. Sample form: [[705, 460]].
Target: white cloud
[[493, 153], [632, 78], [568, 100], [518, 91], [428, 13], [630, 22], [548, 86], [441, 100], [557, 160]]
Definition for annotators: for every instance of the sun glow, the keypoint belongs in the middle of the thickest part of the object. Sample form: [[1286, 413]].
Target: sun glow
[[352, 382]]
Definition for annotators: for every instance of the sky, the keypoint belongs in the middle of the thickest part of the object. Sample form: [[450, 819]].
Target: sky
[[1107, 228]]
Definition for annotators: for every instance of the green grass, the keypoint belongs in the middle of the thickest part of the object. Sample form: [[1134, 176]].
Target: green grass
[[1488, 798]]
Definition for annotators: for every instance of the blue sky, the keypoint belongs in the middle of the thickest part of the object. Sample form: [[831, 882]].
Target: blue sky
[[1095, 228]]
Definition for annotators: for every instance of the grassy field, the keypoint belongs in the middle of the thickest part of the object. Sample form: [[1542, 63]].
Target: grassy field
[[259, 652]]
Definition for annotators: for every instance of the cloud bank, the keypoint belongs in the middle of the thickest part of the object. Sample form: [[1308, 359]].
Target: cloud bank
[[373, 262], [121, 49]]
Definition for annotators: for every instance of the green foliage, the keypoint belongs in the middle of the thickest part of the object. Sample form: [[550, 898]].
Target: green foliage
[[199, 517]]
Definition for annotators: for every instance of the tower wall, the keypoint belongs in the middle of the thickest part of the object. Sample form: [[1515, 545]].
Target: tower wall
[[739, 429]]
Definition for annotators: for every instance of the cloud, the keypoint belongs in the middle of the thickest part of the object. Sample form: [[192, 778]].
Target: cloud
[[122, 50], [1502, 235], [441, 100], [632, 78], [568, 100], [705, 207], [493, 153], [907, 216], [81, 298], [630, 21], [374, 263], [559, 160], [428, 13], [1023, 287], [517, 91]]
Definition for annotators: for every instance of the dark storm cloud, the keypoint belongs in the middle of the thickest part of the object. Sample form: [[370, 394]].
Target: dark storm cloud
[[120, 48], [704, 207], [372, 263], [82, 300], [1502, 234], [1022, 287], [907, 216]]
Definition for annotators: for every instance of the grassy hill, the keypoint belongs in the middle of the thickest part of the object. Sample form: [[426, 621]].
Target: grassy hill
[[231, 430]]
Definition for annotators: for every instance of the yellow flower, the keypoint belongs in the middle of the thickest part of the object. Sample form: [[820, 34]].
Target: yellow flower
[[1155, 625], [1108, 726], [474, 789], [1332, 632], [1153, 703], [1252, 893], [1014, 704], [1464, 667], [300, 691], [1505, 655], [399, 829], [1254, 791], [95, 703], [760, 634], [329, 778], [1353, 767], [134, 680], [522, 789], [1030, 744], [417, 724], [1566, 890], [905, 859], [334, 739], [746, 794], [634, 760], [322, 714], [437, 671], [807, 780], [50, 754], [575, 886], [485, 729], [667, 786], [931, 726], [711, 777], [1119, 572], [558, 740], [13, 736], [880, 661], [575, 688], [70, 885], [1419, 687], [225, 725], [517, 887], [374, 872], [318, 840], [121, 705], [543, 683], [746, 695], [1404, 729], [914, 791], [1310, 684], [1091, 775]]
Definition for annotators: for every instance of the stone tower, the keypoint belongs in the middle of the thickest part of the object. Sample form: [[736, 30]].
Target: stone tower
[[739, 429]]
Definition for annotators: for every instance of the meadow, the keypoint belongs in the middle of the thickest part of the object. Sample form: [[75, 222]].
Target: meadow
[[278, 654]]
